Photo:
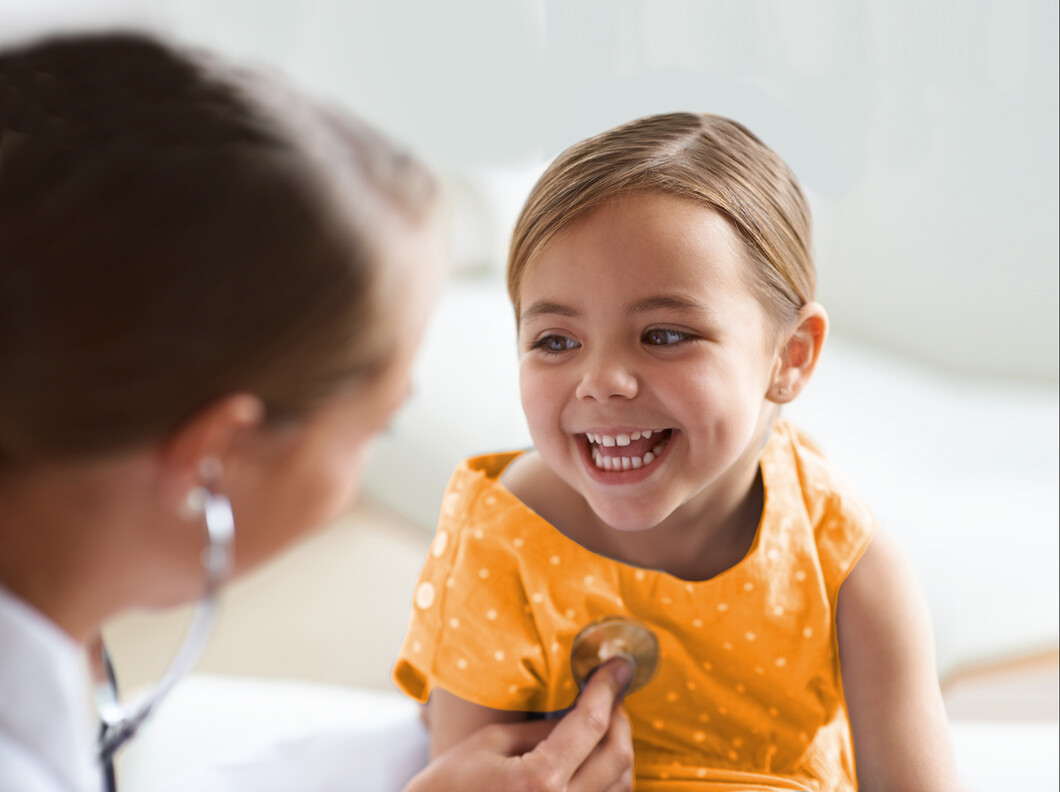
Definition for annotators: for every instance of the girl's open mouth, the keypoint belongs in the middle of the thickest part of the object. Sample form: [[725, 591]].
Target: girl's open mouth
[[627, 451]]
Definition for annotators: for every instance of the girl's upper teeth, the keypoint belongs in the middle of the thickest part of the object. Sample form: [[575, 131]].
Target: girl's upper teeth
[[608, 441]]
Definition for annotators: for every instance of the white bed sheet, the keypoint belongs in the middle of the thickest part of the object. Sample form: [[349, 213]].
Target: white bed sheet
[[226, 734]]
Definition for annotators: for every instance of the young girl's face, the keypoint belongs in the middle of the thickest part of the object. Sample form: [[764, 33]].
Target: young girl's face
[[645, 359]]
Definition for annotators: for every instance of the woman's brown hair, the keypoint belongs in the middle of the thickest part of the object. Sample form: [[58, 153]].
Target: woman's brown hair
[[171, 231], [703, 158]]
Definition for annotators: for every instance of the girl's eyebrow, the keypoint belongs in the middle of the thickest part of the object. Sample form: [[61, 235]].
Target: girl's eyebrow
[[548, 307], [671, 302]]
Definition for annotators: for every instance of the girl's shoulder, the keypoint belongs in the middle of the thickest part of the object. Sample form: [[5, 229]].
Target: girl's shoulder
[[538, 487]]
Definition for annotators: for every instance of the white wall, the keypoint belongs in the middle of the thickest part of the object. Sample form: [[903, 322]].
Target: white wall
[[925, 130]]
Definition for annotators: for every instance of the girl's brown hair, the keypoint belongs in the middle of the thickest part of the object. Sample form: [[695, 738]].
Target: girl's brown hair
[[172, 231], [704, 158]]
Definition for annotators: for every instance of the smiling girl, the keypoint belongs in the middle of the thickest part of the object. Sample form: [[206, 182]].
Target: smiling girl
[[663, 289]]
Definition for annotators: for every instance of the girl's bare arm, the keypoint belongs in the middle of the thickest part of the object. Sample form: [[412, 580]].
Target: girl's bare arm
[[887, 656], [453, 719]]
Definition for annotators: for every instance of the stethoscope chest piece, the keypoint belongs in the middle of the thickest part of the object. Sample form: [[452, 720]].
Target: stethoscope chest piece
[[615, 637]]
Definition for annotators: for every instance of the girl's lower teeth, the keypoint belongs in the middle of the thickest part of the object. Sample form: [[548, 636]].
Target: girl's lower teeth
[[626, 463]]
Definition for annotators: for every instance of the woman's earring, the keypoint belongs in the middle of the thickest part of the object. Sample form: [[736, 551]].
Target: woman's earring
[[782, 392]]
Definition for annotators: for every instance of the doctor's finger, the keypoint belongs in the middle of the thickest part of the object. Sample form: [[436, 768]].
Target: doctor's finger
[[609, 767], [578, 734]]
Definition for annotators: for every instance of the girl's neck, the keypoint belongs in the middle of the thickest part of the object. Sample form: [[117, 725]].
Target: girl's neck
[[697, 542]]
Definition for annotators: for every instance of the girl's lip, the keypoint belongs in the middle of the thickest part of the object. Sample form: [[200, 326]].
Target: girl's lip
[[631, 476]]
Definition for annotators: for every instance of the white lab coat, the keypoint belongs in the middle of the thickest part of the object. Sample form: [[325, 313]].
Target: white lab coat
[[47, 727]]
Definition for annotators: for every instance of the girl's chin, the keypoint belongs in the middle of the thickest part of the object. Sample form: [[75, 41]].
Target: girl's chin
[[620, 515]]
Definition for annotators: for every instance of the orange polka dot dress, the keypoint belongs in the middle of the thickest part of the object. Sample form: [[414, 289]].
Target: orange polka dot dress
[[748, 694]]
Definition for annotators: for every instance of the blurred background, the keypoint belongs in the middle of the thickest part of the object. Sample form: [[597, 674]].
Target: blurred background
[[925, 133]]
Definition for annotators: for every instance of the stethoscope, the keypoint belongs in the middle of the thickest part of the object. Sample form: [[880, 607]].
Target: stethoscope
[[615, 636], [120, 722], [593, 646]]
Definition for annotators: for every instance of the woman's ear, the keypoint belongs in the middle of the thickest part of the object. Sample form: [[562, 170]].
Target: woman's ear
[[195, 454], [798, 354]]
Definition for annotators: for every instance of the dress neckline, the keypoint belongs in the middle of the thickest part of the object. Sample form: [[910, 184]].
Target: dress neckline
[[558, 538]]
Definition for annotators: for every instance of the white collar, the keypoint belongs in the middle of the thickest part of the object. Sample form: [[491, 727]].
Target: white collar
[[43, 686]]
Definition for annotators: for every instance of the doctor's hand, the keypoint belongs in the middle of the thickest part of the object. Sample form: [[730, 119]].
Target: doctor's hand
[[590, 749]]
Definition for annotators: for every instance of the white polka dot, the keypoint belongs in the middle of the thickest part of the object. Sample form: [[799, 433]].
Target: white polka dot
[[554, 560], [778, 610], [568, 684], [483, 573], [491, 614], [750, 636], [450, 582], [689, 588], [517, 541], [759, 670], [478, 533], [498, 655], [701, 772], [639, 574], [416, 646], [490, 500], [727, 646], [461, 664], [425, 595], [441, 540], [667, 601], [451, 504], [671, 696], [537, 597], [658, 724], [708, 667], [748, 586], [691, 685], [773, 555], [807, 633], [723, 606], [513, 689], [454, 623], [588, 580], [697, 622], [800, 575], [570, 613], [770, 468], [733, 755], [554, 647], [781, 662], [699, 736]]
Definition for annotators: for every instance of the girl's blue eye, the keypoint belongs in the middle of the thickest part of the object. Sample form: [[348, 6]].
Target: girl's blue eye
[[660, 336], [554, 344]]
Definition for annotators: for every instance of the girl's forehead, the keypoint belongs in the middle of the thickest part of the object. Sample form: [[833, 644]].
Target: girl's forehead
[[641, 240]]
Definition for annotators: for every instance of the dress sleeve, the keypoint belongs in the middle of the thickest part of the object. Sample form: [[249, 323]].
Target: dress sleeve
[[844, 525], [471, 630]]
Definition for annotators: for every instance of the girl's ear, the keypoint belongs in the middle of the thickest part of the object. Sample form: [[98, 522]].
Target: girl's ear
[[197, 451], [798, 354]]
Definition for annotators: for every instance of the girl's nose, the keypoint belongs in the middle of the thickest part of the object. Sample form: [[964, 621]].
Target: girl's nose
[[605, 377]]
